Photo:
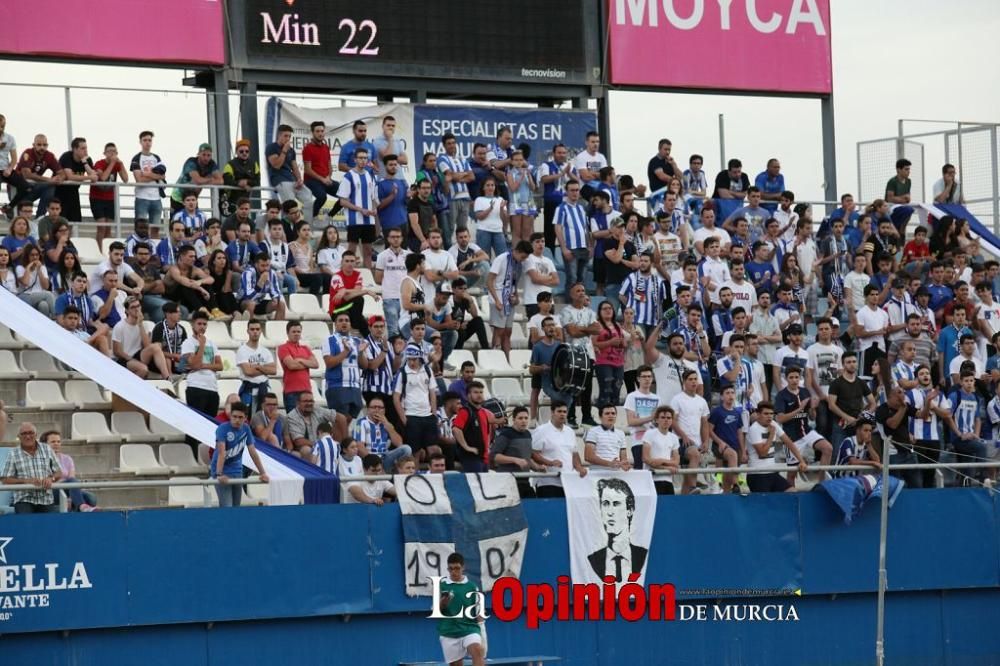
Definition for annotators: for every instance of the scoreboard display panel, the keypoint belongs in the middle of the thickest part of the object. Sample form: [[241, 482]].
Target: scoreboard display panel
[[544, 41]]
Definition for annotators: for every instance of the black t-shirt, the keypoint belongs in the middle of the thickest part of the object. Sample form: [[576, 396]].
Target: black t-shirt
[[725, 182], [658, 163], [425, 214], [787, 402], [459, 306], [619, 272], [850, 395], [901, 433], [78, 168]]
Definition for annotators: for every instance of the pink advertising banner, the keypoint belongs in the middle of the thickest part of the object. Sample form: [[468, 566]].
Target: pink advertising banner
[[149, 31], [752, 45]]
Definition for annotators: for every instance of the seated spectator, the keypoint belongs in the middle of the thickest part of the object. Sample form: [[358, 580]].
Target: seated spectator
[[348, 291], [132, 347], [59, 242], [438, 463], [760, 441], [303, 262], [755, 214], [472, 260], [18, 237], [472, 428], [268, 424], [44, 226], [221, 300], [185, 283], [326, 449], [33, 281], [329, 254], [230, 228], [231, 440], [129, 281], [283, 170], [859, 450], [192, 218], [260, 289], [771, 183], [511, 450], [604, 445], [406, 465], [76, 295], [281, 258], [211, 241], [349, 464], [256, 364], [168, 248], [139, 236], [97, 336], [462, 304], [66, 269], [198, 170], [375, 434], [370, 492], [440, 320], [79, 499], [170, 335], [153, 289], [303, 424], [241, 251], [36, 463]]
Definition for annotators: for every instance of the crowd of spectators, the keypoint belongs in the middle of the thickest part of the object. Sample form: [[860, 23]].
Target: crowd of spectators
[[695, 311]]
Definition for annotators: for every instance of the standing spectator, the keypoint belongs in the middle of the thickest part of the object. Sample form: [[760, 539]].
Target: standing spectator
[[170, 335], [344, 356], [132, 347], [870, 329], [823, 367], [439, 265], [203, 363], [539, 274], [731, 183], [392, 202], [554, 446], [501, 284], [931, 408], [34, 162], [268, 424], [771, 183], [304, 422], [8, 160], [604, 445], [192, 218], [147, 167], [283, 171], [480, 166], [420, 217], [347, 293], [198, 170], [609, 362], [691, 426], [498, 154], [521, 188], [492, 219], [541, 370], [470, 259], [966, 421], [553, 177], [661, 450], [793, 407], [662, 168], [725, 428], [33, 281], [897, 193], [383, 363], [765, 326], [588, 163], [511, 450], [256, 364], [241, 171], [847, 397], [472, 428], [573, 235], [620, 262], [376, 434], [103, 197], [231, 440], [894, 417], [580, 323], [756, 215], [640, 406], [349, 150], [462, 304], [644, 292], [318, 172], [792, 355], [412, 297], [439, 200], [359, 195], [297, 360], [416, 401], [36, 463], [947, 189], [457, 176], [387, 144], [390, 269]]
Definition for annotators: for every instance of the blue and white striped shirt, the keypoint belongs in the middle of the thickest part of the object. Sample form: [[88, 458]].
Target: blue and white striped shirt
[[456, 165], [645, 295], [573, 219], [192, 223], [378, 380], [360, 189], [375, 436], [327, 450], [903, 370], [346, 374], [849, 448], [742, 383], [966, 410], [925, 429], [993, 414], [249, 291]]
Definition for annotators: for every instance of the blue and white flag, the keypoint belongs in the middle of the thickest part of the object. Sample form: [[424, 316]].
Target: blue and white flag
[[477, 515], [851, 493]]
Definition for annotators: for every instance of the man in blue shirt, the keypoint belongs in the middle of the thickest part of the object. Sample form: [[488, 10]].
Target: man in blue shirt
[[391, 196], [231, 440], [967, 417], [771, 184], [541, 361], [948, 342], [941, 294], [726, 431], [360, 140], [283, 172]]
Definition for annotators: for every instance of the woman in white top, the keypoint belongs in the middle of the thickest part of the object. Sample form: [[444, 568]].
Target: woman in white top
[[33, 280], [329, 254], [8, 279], [492, 220], [304, 262]]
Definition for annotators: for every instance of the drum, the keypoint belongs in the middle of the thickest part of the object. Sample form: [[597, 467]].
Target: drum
[[570, 369], [495, 407]]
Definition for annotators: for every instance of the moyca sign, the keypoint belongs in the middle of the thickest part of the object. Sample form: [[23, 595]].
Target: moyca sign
[[28, 585]]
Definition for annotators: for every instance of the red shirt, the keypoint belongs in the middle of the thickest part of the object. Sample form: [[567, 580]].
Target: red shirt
[[98, 193], [296, 381], [341, 282], [38, 163], [462, 418], [913, 250], [318, 156]]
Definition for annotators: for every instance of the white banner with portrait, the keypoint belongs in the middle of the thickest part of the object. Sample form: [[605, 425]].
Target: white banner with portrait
[[610, 517]]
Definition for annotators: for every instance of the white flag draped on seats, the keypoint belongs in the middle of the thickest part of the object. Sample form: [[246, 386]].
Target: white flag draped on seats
[[610, 516]]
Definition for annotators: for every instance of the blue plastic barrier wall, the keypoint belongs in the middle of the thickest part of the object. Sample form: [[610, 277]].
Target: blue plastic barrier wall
[[323, 585]]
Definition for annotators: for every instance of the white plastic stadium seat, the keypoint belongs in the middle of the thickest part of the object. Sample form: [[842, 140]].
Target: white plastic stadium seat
[[229, 367], [106, 244], [164, 431], [43, 366], [139, 459], [10, 368], [86, 394], [91, 427], [132, 426], [373, 307], [460, 356], [47, 396], [518, 340], [7, 340], [321, 370], [227, 386], [181, 459], [257, 493], [519, 360], [219, 334], [508, 389], [88, 251], [494, 363], [191, 496], [306, 306], [313, 333]]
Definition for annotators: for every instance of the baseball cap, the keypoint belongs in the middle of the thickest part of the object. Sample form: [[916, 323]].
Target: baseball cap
[[619, 222], [205, 146], [375, 318], [923, 291], [794, 329], [241, 143], [834, 322]]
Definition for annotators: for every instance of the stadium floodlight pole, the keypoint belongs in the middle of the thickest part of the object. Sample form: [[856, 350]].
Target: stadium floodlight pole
[[883, 531]]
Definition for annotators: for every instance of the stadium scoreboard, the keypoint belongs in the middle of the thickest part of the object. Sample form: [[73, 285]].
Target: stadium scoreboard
[[527, 41]]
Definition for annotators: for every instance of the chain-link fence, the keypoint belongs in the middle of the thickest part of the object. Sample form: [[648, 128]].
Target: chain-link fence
[[877, 164]]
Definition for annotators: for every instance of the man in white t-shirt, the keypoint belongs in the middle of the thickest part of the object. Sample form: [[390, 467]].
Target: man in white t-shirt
[[128, 280], [604, 445], [439, 266], [132, 347], [691, 426], [790, 355], [538, 274], [744, 294], [553, 444], [471, 260], [201, 360], [390, 269], [640, 405], [709, 229], [256, 363], [823, 367], [589, 163], [760, 453], [712, 271], [661, 450], [370, 492], [579, 323], [871, 324], [669, 368], [855, 283]]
